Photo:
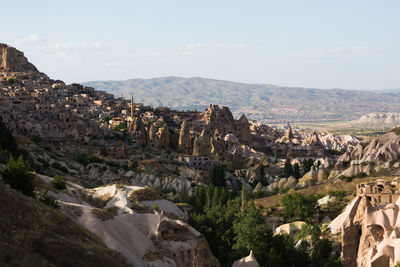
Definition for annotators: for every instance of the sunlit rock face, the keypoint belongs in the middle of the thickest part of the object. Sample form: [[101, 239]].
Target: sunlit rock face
[[370, 227]]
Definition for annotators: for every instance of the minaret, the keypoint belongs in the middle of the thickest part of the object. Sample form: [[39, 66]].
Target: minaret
[[132, 107]]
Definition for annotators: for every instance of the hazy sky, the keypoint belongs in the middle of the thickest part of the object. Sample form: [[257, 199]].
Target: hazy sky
[[320, 44]]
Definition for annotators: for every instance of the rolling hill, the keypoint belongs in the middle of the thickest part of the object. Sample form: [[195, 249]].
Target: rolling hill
[[263, 102]]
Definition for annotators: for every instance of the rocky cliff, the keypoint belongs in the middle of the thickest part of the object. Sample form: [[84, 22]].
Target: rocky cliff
[[13, 60], [370, 232]]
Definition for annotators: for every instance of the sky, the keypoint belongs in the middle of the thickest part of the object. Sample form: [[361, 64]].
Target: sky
[[347, 44]]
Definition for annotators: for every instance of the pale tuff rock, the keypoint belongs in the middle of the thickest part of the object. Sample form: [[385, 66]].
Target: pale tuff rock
[[163, 136], [380, 152], [314, 140], [153, 138], [185, 141], [378, 120], [138, 130], [149, 239], [289, 228], [369, 228], [221, 119], [243, 130], [289, 134], [249, 261]]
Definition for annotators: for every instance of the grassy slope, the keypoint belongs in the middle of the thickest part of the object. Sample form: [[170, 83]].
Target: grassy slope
[[272, 201], [33, 234]]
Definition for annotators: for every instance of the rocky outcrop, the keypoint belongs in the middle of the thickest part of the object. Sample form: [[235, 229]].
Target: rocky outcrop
[[185, 141], [153, 138], [138, 131], [197, 252], [314, 140], [243, 130], [144, 236], [289, 134], [163, 136], [13, 60], [221, 119], [380, 152], [378, 120], [369, 232], [202, 144], [249, 261]]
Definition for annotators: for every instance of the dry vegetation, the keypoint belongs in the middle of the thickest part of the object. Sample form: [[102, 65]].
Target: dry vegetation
[[143, 194], [33, 234], [272, 202], [105, 214]]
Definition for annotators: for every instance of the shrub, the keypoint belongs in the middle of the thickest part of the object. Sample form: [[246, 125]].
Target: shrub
[[259, 194], [155, 207], [18, 175], [143, 194], [337, 193], [218, 176], [59, 182], [299, 207], [49, 200], [7, 141]]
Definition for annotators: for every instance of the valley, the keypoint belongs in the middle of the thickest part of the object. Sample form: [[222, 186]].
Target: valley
[[155, 184]]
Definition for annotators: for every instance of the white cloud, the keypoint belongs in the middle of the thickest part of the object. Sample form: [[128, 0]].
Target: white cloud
[[214, 45], [33, 38], [38, 43], [338, 50]]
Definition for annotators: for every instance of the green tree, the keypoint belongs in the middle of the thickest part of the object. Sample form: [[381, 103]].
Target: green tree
[[307, 164], [298, 207], [59, 182], [216, 225], [262, 174], [218, 176], [317, 245], [252, 233], [18, 175], [7, 141], [296, 171], [287, 169]]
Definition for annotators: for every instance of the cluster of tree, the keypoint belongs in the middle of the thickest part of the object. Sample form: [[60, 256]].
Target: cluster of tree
[[233, 226], [298, 207], [18, 171], [307, 164], [289, 170], [218, 175]]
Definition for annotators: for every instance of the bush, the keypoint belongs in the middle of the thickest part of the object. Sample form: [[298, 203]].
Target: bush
[[259, 194], [337, 193], [143, 194], [156, 208], [7, 141], [218, 176], [298, 207], [49, 200], [59, 182], [18, 175]]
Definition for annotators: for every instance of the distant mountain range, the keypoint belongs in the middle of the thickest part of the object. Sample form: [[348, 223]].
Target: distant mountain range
[[263, 102]]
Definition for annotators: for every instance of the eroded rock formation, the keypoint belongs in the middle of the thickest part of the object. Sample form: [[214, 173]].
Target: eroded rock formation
[[369, 227], [13, 60]]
